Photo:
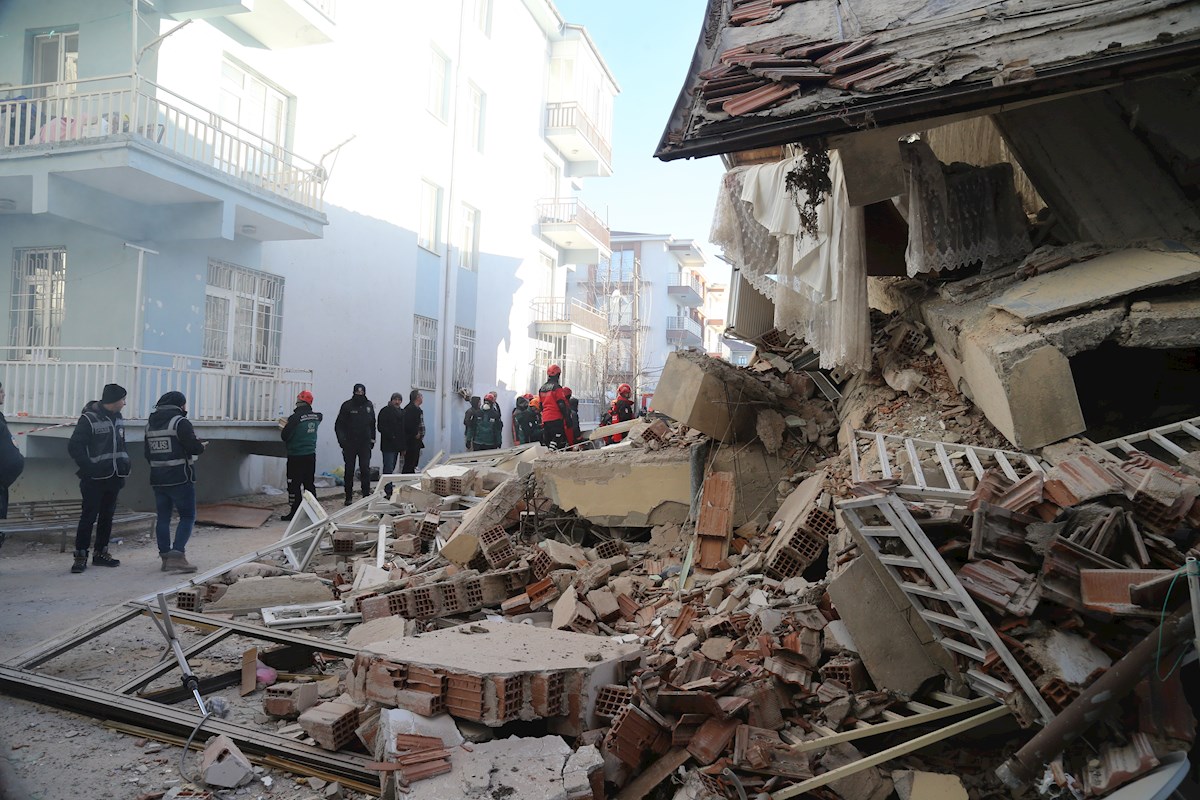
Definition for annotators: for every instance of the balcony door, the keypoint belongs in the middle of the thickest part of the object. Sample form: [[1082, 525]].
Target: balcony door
[[38, 301], [255, 112], [56, 61]]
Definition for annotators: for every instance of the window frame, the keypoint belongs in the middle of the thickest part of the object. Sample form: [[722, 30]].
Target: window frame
[[435, 93], [429, 220], [464, 358], [481, 11], [424, 357], [262, 321], [468, 244], [39, 300], [477, 99]]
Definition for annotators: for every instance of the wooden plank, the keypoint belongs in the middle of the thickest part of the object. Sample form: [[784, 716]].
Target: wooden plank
[[899, 723], [892, 752], [915, 463], [609, 430]]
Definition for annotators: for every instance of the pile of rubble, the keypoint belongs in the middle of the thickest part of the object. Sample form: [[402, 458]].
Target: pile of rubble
[[729, 603]]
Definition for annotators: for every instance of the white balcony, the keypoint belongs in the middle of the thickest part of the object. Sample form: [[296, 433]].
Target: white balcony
[[686, 289], [685, 332], [55, 384], [587, 150], [274, 24], [558, 316], [575, 229], [125, 136]]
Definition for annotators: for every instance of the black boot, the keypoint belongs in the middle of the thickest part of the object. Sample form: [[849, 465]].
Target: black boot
[[288, 517], [80, 561], [103, 559]]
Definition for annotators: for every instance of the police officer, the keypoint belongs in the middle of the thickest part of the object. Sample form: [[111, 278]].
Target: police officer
[[300, 435], [97, 446], [171, 448]]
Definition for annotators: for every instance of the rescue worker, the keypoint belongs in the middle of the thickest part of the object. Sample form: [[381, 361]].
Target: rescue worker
[[534, 421], [414, 431], [355, 430], [391, 436], [556, 411], [488, 425], [520, 416], [469, 421], [171, 447], [97, 446], [622, 409], [300, 437], [573, 429]]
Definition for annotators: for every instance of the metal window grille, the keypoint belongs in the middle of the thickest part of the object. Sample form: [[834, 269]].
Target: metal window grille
[[431, 216], [464, 359], [468, 246], [243, 316], [424, 371], [38, 299]]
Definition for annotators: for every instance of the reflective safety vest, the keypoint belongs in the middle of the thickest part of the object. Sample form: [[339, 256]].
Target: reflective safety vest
[[170, 465], [106, 454]]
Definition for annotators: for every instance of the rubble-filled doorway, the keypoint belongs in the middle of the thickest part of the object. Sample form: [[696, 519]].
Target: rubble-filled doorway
[[1123, 390]]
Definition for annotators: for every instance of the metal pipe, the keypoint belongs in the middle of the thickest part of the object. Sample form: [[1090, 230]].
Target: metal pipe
[[1096, 702]]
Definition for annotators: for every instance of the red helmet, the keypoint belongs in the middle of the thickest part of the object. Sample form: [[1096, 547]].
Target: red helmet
[[490, 396], [527, 396], [554, 370], [567, 391], [305, 397], [624, 390]]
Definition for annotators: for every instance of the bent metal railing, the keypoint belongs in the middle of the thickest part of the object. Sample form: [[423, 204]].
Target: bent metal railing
[[46, 116]]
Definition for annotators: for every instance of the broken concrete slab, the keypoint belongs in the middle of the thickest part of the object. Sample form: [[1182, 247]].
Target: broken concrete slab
[[255, 594], [616, 490], [710, 395], [915, 785], [1090, 283], [519, 767], [377, 630]]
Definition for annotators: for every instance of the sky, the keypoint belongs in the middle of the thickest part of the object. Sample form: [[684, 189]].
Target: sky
[[648, 46]]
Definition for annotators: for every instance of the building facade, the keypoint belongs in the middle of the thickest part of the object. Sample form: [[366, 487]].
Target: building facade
[[166, 233]]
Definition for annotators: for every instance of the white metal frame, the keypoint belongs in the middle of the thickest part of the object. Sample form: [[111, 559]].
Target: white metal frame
[[1125, 445], [425, 356], [38, 305]]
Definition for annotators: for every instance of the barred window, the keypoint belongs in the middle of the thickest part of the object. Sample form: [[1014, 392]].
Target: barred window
[[243, 316], [38, 299], [464, 359], [424, 371]]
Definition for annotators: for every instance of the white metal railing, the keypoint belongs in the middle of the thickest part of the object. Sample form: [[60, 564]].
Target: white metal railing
[[685, 324], [686, 280], [571, 115], [58, 383], [132, 108], [573, 210], [550, 309]]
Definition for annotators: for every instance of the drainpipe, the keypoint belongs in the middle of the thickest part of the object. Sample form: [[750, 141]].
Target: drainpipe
[[449, 282]]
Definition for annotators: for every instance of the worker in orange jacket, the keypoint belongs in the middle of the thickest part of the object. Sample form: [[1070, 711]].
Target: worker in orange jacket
[[556, 411]]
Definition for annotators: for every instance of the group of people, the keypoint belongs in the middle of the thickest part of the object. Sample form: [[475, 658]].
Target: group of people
[[400, 429]]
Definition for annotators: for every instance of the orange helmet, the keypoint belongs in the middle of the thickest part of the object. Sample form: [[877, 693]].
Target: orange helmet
[[554, 370], [490, 396], [624, 390], [536, 403]]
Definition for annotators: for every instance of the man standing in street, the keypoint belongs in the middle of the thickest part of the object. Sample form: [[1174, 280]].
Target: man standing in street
[[12, 463], [556, 411], [171, 448], [355, 429], [414, 431], [391, 436], [98, 447], [300, 436], [488, 425]]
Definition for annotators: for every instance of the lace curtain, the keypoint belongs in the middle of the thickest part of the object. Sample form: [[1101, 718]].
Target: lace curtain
[[960, 215]]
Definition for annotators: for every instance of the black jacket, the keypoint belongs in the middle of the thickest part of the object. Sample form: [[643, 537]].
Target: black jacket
[[414, 427], [12, 463], [166, 445], [97, 444], [355, 425], [391, 429]]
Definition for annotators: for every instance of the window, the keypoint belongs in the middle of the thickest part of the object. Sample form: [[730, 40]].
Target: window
[[481, 15], [468, 245], [430, 222], [243, 317], [439, 84], [478, 110], [256, 106], [464, 359], [424, 370], [549, 180], [38, 294], [56, 60]]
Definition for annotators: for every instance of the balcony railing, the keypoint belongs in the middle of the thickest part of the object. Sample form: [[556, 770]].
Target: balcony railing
[[549, 309], [685, 325], [687, 280], [130, 108], [571, 115], [57, 384], [574, 211]]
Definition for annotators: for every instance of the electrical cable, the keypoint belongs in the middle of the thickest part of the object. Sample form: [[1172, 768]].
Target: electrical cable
[[188, 746], [1162, 619]]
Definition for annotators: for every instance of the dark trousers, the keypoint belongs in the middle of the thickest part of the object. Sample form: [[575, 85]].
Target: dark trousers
[[3, 501], [99, 503], [411, 456], [362, 454], [301, 475], [181, 498], [390, 460], [554, 434]]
